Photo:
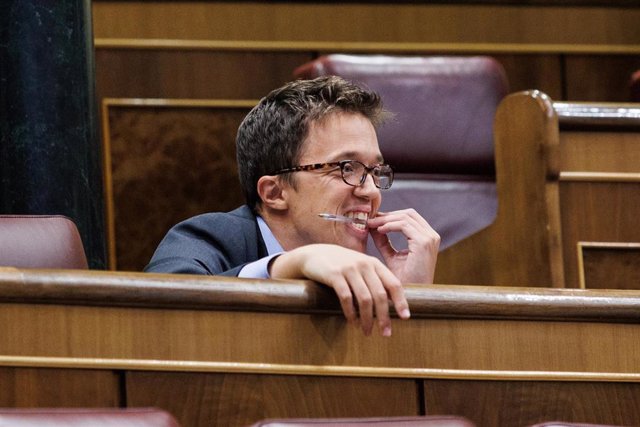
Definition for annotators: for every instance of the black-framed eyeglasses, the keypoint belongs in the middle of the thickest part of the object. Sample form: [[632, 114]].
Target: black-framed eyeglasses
[[353, 172]]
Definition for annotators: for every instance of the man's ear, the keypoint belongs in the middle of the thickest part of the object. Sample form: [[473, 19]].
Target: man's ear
[[272, 191]]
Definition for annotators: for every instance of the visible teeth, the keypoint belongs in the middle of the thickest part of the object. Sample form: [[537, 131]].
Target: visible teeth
[[360, 216]]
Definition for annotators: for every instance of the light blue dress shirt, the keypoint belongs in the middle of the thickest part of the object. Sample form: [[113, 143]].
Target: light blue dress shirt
[[259, 269]]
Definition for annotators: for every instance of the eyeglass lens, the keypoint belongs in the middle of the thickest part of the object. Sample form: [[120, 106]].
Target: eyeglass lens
[[355, 173]]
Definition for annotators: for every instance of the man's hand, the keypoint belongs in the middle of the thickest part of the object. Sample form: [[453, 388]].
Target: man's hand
[[417, 263], [352, 275]]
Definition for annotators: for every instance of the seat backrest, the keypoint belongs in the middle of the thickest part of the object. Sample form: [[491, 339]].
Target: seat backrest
[[440, 142], [40, 241], [444, 107], [70, 417], [418, 421]]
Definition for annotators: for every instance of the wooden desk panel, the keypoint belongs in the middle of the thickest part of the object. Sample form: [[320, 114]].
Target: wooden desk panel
[[227, 351], [169, 72], [599, 184], [524, 403], [159, 339], [363, 22], [601, 150], [609, 264], [149, 321], [242, 399], [48, 388], [605, 212]]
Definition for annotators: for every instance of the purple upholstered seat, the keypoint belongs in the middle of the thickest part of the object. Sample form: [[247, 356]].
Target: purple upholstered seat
[[40, 241], [94, 417]]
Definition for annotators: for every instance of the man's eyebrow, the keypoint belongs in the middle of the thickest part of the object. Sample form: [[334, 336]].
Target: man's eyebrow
[[351, 155]]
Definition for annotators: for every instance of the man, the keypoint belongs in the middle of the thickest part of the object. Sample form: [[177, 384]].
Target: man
[[306, 149]]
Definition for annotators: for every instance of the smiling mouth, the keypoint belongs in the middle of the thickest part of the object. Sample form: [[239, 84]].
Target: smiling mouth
[[358, 219]]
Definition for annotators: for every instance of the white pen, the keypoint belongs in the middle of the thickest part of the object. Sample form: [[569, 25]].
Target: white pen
[[340, 218]]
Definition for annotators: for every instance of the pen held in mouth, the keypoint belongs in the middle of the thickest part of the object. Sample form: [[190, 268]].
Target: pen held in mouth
[[340, 218]]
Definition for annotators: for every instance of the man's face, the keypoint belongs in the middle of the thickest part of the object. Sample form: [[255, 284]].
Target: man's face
[[341, 136]]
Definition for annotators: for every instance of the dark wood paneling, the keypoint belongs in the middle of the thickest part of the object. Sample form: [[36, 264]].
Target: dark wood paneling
[[161, 73], [596, 212], [241, 399], [609, 267], [525, 72], [168, 164], [605, 3], [39, 387], [365, 22], [600, 78], [520, 403]]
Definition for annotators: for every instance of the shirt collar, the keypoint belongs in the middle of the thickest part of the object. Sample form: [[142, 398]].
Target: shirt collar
[[270, 241]]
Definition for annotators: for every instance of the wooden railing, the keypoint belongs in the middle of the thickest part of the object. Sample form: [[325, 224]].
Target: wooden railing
[[226, 351], [191, 292], [568, 185]]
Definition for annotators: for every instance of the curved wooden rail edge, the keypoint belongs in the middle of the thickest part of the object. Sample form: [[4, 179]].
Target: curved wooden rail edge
[[179, 291], [126, 289], [622, 116]]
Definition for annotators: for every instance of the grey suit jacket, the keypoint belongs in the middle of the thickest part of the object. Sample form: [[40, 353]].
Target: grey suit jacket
[[212, 243]]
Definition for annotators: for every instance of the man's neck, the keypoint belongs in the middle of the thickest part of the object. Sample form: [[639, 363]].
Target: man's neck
[[280, 227]]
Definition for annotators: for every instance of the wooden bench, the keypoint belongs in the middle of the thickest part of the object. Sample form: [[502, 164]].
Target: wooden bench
[[568, 177]]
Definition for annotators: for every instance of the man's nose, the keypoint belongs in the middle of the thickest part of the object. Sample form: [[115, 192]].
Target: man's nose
[[368, 187]]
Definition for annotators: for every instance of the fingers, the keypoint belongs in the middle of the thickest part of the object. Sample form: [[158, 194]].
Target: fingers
[[362, 285], [368, 284], [359, 281], [377, 295], [358, 287], [406, 221], [410, 223], [416, 264], [395, 291], [343, 291]]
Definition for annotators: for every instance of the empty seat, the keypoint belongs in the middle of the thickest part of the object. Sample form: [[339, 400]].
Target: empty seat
[[40, 241], [71, 417]]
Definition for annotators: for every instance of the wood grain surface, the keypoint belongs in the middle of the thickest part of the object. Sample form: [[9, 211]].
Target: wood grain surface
[[227, 351]]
